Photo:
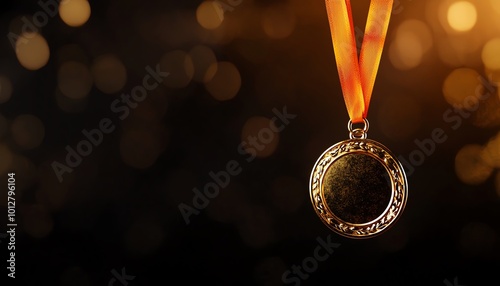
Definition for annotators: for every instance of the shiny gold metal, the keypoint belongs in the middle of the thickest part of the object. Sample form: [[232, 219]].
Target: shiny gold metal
[[358, 188]]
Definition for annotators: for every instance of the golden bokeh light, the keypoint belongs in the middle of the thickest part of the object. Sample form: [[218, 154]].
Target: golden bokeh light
[[27, 131], [109, 73], [74, 80], [74, 13], [413, 39], [180, 67], [462, 16], [226, 82], [406, 52], [278, 21], [209, 15], [203, 58], [461, 87], [5, 89], [32, 51], [259, 137], [470, 167], [491, 54], [491, 152], [420, 29]]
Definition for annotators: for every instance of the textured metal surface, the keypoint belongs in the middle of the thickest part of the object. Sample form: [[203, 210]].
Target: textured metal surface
[[358, 188]]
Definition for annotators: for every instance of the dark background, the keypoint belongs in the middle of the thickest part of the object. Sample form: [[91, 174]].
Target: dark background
[[120, 207]]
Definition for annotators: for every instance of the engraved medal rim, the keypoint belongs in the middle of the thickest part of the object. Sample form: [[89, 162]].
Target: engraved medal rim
[[395, 206]]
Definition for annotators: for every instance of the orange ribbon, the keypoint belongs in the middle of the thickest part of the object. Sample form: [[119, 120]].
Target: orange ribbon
[[357, 77]]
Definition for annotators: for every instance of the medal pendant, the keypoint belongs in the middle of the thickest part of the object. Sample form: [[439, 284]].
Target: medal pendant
[[358, 188]]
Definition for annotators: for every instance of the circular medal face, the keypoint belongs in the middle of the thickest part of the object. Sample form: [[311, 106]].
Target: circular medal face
[[358, 188]]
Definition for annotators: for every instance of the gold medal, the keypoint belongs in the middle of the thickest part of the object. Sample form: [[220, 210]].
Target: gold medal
[[358, 188]]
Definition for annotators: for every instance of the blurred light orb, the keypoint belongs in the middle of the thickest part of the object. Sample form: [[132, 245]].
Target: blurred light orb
[[74, 80], [209, 15], [420, 29], [491, 152], [413, 39], [226, 82], [5, 89], [461, 86], [74, 13], [278, 21], [469, 166], [203, 58], [180, 66], [109, 74], [258, 137], [491, 54], [27, 131], [462, 16], [32, 51]]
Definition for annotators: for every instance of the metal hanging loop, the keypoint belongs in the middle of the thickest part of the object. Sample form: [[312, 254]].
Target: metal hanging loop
[[358, 133]]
